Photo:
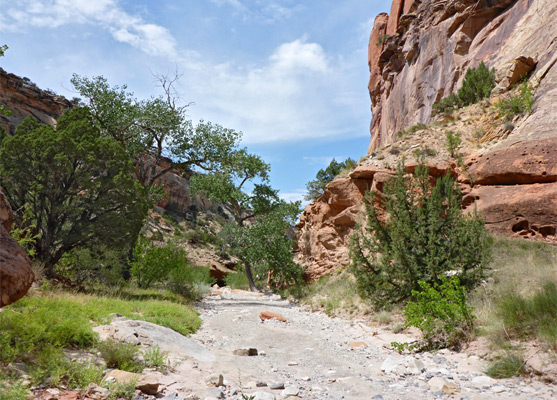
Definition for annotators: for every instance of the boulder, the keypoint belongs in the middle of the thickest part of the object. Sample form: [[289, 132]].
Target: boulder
[[265, 315], [16, 274]]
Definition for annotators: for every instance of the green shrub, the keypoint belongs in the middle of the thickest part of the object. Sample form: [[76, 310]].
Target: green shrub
[[517, 104], [237, 280], [51, 367], [447, 105], [381, 39], [441, 313], [478, 83], [154, 357], [452, 142], [154, 264], [531, 317], [506, 367], [120, 355], [191, 281], [12, 391], [421, 235], [121, 391]]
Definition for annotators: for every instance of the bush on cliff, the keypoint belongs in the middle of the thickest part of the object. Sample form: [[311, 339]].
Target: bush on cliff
[[316, 187], [477, 84], [421, 235]]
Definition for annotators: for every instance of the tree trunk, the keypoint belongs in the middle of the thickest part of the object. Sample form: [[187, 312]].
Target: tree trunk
[[250, 277]]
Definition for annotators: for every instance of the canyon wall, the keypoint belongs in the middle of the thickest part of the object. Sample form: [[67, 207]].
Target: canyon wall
[[419, 54]]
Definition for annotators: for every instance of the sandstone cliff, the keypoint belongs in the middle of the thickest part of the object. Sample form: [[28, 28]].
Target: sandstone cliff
[[419, 54], [23, 98]]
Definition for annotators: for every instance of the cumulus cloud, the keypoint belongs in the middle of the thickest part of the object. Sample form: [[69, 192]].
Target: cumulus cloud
[[124, 27], [290, 96]]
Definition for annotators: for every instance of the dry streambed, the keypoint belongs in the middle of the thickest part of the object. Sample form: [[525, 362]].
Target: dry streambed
[[310, 356]]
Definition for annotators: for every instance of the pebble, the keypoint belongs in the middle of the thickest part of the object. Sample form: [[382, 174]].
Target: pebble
[[276, 386], [263, 396], [290, 391]]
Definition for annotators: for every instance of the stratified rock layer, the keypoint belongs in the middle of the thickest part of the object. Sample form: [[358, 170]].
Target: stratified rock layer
[[16, 275], [419, 54], [22, 98], [431, 44]]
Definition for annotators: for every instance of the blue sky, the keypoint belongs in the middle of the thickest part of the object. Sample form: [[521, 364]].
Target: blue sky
[[291, 75]]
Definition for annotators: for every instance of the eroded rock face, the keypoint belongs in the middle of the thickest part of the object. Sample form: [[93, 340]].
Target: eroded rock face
[[23, 99], [16, 275], [432, 43], [513, 188]]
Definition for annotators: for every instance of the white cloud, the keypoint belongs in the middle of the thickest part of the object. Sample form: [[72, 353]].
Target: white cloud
[[291, 96], [297, 194], [133, 30]]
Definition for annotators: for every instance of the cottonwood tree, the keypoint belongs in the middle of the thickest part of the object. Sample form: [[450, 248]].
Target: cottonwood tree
[[259, 237], [70, 186], [157, 127]]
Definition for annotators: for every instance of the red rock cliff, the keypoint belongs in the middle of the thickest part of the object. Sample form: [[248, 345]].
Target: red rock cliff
[[419, 54]]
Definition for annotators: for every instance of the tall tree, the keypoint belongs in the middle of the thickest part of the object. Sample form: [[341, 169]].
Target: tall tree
[[70, 186], [155, 128], [261, 217]]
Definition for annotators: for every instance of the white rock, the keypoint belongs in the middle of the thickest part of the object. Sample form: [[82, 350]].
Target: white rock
[[498, 389], [290, 391], [292, 363], [414, 366], [390, 364], [436, 384], [483, 381], [263, 396]]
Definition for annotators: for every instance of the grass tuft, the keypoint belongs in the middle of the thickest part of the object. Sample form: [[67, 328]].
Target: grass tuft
[[506, 367]]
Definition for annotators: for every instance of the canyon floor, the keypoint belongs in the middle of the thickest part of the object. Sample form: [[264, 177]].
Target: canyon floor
[[312, 356]]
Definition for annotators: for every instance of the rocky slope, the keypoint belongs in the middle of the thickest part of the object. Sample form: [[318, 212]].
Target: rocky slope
[[419, 54]]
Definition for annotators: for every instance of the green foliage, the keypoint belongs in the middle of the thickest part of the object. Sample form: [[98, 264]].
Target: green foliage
[[121, 391], [266, 246], [316, 187], [154, 264], [119, 355], [237, 280], [263, 242], [154, 357], [12, 391], [3, 49], [157, 125], [191, 281], [51, 367], [477, 84], [441, 313], [518, 103], [70, 186], [409, 131], [381, 39], [507, 366], [531, 317], [96, 264], [420, 236], [453, 142], [447, 104]]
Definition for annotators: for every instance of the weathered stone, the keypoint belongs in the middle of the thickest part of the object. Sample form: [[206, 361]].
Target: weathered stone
[[16, 275], [450, 389], [148, 384], [276, 385], [97, 392], [262, 396], [483, 381], [120, 376], [265, 315], [214, 380], [354, 345], [436, 384], [245, 352]]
